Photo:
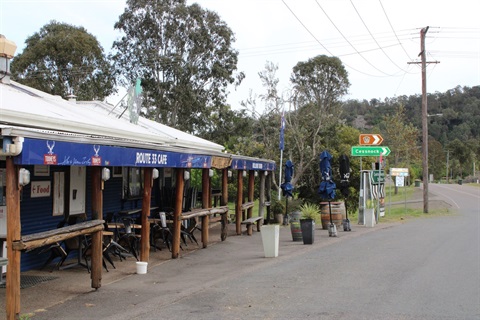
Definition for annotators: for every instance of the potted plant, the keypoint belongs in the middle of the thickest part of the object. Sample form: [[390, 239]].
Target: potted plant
[[294, 216], [278, 210], [309, 213]]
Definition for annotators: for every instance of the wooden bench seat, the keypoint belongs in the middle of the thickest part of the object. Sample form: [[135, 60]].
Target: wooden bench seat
[[40, 239], [250, 221]]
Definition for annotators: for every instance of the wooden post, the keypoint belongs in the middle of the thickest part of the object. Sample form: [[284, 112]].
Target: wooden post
[[224, 202], [177, 212], [261, 205], [224, 198], [238, 207], [97, 213], [209, 199], [269, 194], [206, 201], [147, 198], [13, 234], [251, 189]]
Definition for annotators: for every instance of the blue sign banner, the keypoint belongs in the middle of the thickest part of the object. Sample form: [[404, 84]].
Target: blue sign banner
[[50, 152], [61, 153], [249, 164]]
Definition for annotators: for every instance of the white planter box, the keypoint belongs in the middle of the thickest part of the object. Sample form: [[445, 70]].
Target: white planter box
[[270, 240]]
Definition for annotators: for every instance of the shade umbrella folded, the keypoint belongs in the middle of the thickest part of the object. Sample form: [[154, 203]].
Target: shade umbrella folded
[[327, 187], [287, 187]]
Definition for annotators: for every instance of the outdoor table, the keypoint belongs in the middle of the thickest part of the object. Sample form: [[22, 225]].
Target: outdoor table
[[134, 211]]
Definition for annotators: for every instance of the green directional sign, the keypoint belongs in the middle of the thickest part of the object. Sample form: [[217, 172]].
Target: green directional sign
[[370, 151], [377, 176]]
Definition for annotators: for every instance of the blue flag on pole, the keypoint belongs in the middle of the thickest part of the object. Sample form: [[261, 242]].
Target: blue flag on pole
[[282, 131]]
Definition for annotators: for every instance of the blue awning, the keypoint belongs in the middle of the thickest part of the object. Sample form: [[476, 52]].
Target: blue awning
[[64, 153]]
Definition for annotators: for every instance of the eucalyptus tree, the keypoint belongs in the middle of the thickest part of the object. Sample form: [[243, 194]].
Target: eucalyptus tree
[[315, 110], [62, 59], [184, 56], [266, 108]]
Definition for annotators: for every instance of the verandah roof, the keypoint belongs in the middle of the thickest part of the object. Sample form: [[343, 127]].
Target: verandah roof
[[79, 128]]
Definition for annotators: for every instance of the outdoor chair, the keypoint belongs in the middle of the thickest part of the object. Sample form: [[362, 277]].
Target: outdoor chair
[[61, 249], [187, 232], [128, 239]]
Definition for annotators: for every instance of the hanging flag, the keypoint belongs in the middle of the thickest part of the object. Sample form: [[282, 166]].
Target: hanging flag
[[282, 131]]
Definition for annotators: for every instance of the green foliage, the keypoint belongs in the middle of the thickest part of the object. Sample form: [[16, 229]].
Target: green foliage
[[294, 204], [185, 58], [455, 132], [62, 59], [277, 206], [310, 211], [313, 121]]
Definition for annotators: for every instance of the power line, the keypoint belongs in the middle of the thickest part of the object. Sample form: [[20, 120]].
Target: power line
[[350, 42], [366, 27], [305, 27], [305, 45], [391, 26]]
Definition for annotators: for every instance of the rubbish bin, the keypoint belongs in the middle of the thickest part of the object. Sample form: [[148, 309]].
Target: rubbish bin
[[460, 181], [417, 183]]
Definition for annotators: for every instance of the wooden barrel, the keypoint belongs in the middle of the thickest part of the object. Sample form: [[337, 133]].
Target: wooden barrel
[[338, 214]]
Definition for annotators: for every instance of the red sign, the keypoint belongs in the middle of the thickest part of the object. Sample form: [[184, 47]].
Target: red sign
[[96, 161], [50, 159], [370, 139]]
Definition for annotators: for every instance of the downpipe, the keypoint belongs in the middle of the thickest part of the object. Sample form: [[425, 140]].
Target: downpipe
[[11, 146]]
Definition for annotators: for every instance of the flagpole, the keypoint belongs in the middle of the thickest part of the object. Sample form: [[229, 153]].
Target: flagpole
[[280, 174], [282, 145]]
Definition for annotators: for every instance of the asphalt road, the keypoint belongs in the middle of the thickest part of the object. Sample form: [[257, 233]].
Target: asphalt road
[[426, 268]]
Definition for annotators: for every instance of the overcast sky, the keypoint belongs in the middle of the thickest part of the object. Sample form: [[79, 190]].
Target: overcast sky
[[375, 39]]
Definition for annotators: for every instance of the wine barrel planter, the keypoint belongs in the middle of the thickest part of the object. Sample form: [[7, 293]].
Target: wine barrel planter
[[338, 214], [295, 227]]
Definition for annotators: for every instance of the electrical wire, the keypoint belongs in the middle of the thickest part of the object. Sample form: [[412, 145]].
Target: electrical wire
[[365, 59], [393, 30], [374, 39], [321, 44]]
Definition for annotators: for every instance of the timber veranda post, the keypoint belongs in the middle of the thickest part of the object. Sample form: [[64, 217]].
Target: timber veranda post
[[268, 187], [97, 213], [146, 200], [224, 202], [205, 204], [251, 189], [13, 190], [261, 197], [238, 207], [177, 212]]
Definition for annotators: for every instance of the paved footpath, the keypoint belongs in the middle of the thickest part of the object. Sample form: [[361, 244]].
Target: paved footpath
[[70, 296]]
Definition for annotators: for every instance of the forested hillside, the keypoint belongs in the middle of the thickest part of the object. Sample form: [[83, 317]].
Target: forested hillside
[[454, 125]]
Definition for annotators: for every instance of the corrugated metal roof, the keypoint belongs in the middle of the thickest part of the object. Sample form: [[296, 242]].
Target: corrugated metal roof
[[27, 107]]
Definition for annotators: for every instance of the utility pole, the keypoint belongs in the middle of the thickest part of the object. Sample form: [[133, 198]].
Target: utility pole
[[448, 154], [423, 33]]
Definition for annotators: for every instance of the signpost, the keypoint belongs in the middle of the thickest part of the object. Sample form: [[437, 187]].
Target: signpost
[[400, 174], [369, 148], [370, 139], [360, 151]]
